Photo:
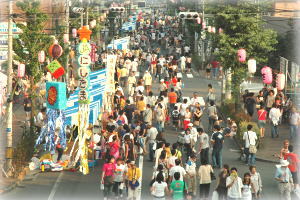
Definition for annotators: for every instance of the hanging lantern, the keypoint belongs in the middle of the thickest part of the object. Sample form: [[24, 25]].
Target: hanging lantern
[[41, 56], [21, 70], [251, 66], [213, 29], [66, 38], [209, 29], [55, 51], [267, 75], [93, 23], [203, 25], [241, 55], [280, 81], [198, 20], [74, 33], [220, 30]]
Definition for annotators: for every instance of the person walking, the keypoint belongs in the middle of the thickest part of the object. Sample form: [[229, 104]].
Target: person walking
[[119, 178], [294, 122], [284, 178], [203, 144], [108, 171], [247, 186], [221, 182], [159, 189], [250, 139], [148, 81], [151, 139], [256, 181], [234, 185], [274, 116], [133, 176], [190, 168], [204, 173], [262, 118], [212, 115], [293, 160], [178, 187], [217, 141]]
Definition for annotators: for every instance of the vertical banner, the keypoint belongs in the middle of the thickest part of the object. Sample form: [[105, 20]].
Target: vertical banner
[[110, 79]]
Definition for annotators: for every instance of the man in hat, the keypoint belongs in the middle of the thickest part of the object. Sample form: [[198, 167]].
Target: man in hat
[[285, 180]]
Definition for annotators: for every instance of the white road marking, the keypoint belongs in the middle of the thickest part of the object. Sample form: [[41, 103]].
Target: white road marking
[[190, 75], [55, 186], [141, 163]]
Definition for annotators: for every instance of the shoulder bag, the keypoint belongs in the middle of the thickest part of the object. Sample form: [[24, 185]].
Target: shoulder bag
[[252, 148]]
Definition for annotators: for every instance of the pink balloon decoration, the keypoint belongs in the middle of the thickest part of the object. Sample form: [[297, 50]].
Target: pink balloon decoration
[[213, 29], [280, 81], [74, 33], [41, 56], [220, 30], [21, 70], [203, 25], [241, 55], [267, 75], [198, 20], [209, 29]]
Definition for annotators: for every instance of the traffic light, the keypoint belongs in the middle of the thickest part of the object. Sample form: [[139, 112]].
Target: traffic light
[[188, 15], [78, 10], [116, 9]]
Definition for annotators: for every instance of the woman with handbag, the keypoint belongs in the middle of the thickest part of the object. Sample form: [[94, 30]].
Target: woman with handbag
[[206, 174], [133, 176], [107, 176]]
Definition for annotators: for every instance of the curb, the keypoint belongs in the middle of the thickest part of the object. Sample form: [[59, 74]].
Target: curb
[[18, 183]]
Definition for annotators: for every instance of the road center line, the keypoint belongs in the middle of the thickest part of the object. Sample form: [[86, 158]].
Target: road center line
[[55, 186], [141, 163]]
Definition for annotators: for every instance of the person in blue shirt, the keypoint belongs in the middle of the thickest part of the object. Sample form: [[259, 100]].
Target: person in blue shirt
[[285, 180]]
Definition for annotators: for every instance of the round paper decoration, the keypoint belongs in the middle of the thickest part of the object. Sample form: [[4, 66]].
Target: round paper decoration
[[267, 75], [198, 20], [52, 95], [209, 29], [55, 51], [280, 81], [93, 23], [41, 56], [203, 25], [213, 29], [21, 70], [74, 33], [220, 30], [251, 66], [241, 55]]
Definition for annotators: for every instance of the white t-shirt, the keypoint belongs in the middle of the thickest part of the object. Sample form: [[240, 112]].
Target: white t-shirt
[[159, 189], [249, 135], [235, 191], [177, 169], [204, 139], [140, 88], [119, 173]]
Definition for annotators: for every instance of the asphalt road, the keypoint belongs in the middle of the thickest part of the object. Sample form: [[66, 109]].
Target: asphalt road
[[74, 185]]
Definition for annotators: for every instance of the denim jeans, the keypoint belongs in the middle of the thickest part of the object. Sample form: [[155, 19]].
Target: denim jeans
[[293, 131], [217, 158], [107, 189], [151, 151], [215, 72], [250, 157], [159, 126], [274, 130]]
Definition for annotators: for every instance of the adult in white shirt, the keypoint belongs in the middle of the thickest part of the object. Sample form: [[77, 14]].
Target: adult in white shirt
[[131, 82], [159, 188], [250, 138], [151, 139], [182, 63], [274, 116], [234, 185], [148, 81], [177, 168]]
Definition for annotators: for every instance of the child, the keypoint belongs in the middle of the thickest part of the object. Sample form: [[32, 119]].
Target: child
[[176, 117], [119, 178], [190, 169]]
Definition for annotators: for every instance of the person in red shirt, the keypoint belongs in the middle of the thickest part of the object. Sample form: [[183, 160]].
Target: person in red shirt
[[167, 83], [262, 117], [293, 166], [174, 81], [172, 99], [107, 176], [215, 69]]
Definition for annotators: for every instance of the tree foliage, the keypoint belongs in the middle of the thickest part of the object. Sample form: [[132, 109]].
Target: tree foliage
[[32, 39]]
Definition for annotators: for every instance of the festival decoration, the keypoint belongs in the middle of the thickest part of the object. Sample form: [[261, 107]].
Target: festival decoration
[[84, 33], [280, 81], [93, 23], [74, 32], [251, 66], [241, 55], [55, 69], [55, 51], [220, 30], [47, 135], [213, 29], [267, 75], [66, 38], [21, 70], [198, 20], [41, 56], [209, 29], [56, 96], [203, 25]]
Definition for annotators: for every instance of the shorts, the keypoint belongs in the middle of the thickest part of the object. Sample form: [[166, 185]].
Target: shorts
[[261, 123], [295, 177]]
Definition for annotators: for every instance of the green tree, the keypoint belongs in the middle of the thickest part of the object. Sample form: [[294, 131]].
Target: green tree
[[32, 40], [242, 28]]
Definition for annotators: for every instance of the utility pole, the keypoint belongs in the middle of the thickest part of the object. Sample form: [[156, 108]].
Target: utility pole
[[68, 3], [87, 13], [203, 51], [9, 147], [81, 15]]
